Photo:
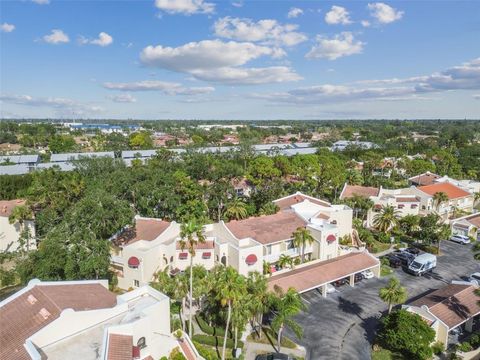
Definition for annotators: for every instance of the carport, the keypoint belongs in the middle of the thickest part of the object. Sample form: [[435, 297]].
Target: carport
[[320, 274]]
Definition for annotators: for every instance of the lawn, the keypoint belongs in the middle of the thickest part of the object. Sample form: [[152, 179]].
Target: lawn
[[268, 336], [384, 354]]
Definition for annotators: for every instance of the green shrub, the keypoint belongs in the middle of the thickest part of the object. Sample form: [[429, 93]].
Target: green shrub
[[465, 347], [216, 341], [475, 340], [176, 354], [206, 353], [438, 348], [210, 330]]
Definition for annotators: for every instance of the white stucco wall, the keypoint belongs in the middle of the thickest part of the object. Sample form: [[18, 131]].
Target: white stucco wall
[[10, 233]]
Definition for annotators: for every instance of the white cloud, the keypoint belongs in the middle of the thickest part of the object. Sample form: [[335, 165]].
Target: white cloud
[[294, 12], [384, 13], [57, 36], [476, 96], [343, 44], [103, 40], [266, 31], [62, 106], [365, 23], [186, 7], [41, 2], [237, 4], [5, 27], [337, 15], [122, 98], [218, 61], [169, 88]]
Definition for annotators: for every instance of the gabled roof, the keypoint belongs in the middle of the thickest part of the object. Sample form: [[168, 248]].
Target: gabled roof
[[427, 178], [144, 229], [474, 220], [287, 201], [23, 315], [7, 206], [266, 229], [452, 191], [364, 191], [452, 304]]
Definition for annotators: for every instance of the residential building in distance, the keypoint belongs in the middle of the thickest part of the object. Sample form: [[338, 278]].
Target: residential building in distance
[[446, 309], [468, 225], [83, 320], [10, 233], [429, 178], [343, 144]]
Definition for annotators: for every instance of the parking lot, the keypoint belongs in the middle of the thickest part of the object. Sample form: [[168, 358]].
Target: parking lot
[[342, 326]]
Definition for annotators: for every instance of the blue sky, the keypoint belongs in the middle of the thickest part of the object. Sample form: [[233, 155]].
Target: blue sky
[[199, 59]]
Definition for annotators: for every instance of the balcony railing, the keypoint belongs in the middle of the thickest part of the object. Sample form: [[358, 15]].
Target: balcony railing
[[291, 252]]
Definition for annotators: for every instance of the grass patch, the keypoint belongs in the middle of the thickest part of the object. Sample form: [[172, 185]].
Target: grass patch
[[377, 246], [384, 354], [386, 270], [268, 336], [215, 341]]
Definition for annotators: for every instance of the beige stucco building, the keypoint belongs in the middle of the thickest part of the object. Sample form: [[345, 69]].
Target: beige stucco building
[[10, 233]]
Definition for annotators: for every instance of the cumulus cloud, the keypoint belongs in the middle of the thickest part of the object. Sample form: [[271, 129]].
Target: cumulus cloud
[[384, 13], [237, 4], [122, 98], [5, 27], [337, 15], [169, 88], [365, 23], [218, 61], [343, 44], [266, 31], [62, 106], [294, 12], [185, 7], [103, 40], [57, 36]]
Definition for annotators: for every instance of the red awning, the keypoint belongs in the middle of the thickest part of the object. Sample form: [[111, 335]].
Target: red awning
[[251, 259], [206, 255], [377, 206], [183, 256], [135, 352], [331, 238], [133, 261]]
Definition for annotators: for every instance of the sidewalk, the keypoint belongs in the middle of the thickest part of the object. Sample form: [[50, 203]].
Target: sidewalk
[[252, 349]]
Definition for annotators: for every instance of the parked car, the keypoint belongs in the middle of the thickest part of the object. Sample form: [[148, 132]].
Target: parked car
[[460, 239], [274, 356], [422, 264], [413, 251], [330, 289], [475, 277], [394, 261], [358, 277], [367, 274], [405, 257], [340, 282]]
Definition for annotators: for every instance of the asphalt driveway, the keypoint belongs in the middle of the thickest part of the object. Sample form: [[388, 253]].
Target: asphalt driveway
[[343, 325]]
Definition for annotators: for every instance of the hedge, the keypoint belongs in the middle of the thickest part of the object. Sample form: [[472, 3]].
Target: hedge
[[210, 330], [216, 341]]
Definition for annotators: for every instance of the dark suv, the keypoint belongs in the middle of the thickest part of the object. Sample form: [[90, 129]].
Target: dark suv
[[394, 261], [405, 257], [274, 356]]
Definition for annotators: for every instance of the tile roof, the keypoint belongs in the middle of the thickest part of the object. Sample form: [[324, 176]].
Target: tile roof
[[7, 206], [474, 220], [314, 275], [200, 246], [288, 201], [407, 199], [144, 229], [452, 191], [31, 311], [363, 191], [452, 304], [267, 229], [120, 347], [427, 178]]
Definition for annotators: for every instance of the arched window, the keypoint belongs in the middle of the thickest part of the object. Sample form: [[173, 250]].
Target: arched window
[[141, 343]]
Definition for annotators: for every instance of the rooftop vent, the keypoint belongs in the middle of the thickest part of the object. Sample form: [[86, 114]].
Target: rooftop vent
[[31, 299], [44, 313]]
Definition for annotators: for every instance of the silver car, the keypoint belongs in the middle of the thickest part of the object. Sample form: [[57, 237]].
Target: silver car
[[460, 239]]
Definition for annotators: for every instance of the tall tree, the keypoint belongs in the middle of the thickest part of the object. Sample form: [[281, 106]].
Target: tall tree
[[439, 198], [393, 293], [301, 238], [285, 306], [236, 209], [386, 219], [191, 234], [21, 214]]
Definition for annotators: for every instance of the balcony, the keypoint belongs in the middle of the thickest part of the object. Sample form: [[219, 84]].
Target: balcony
[[291, 253]]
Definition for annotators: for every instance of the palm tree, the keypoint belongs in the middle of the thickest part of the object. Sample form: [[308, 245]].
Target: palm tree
[[191, 234], [285, 306], [284, 261], [393, 293], [231, 287], [439, 198], [21, 214], [302, 237], [267, 268], [386, 219], [236, 209], [476, 250], [476, 199], [258, 304]]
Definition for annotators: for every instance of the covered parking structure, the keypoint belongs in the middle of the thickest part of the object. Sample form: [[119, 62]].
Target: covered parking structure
[[320, 274]]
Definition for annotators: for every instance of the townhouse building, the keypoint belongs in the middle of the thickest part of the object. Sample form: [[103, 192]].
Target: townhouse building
[[10, 234]]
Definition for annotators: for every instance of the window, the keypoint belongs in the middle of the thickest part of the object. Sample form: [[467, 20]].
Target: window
[[413, 206], [269, 249], [401, 206], [290, 245], [141, 343], [136, 283]]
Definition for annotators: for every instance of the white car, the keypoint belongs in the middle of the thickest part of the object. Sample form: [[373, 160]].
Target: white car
[[330, 289], [460, 239], [475, 278], [367, 274]]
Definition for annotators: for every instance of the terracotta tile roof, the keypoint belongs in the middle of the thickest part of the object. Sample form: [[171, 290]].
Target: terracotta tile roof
[[452, 191], [120, 347], [474, 220], [287, 202], [407, 199], [7, 206], [311, 276], [363, 191], [424, 179], [200, 246], [144, 229], [452, 304], [267, 229], [28, 313]]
